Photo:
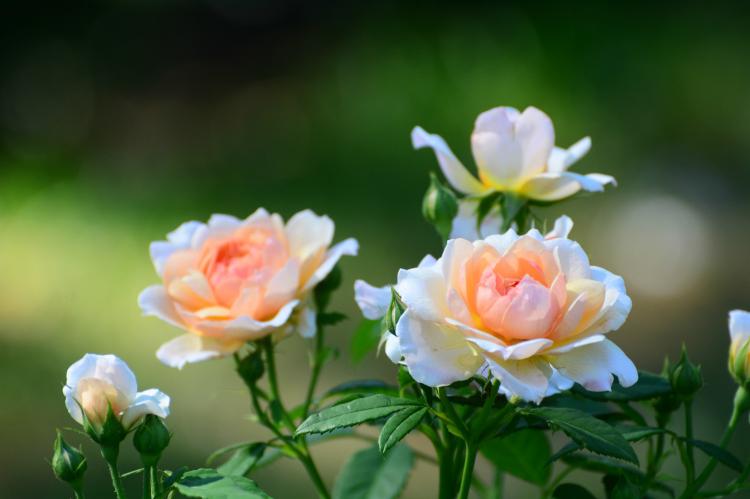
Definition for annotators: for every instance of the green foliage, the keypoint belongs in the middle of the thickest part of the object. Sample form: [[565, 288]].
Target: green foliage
[[523, 454], [370, 475], [571, 491], [649, 386], [439, 206], [243, 460], [251, 367], [363, 386], [399, 425], [365, 338], [722, 455], [210, 484], [325, 288], [353, 413], [589, 432]]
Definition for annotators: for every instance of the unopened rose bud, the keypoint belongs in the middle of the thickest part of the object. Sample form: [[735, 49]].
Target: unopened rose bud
[[685, 377], [739, 350], [68, 463], [151, 438], [101, 393], [439, 207], [395, 310], [668, 403]]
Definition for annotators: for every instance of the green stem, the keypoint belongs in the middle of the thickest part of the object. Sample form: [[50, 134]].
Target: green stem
[[78, 489], [447, 483], [741, 406], [155, 483], [273, 382], [148, 487], [312, 471], [110, 456], [689, 444], [468, 470], [315, 372]]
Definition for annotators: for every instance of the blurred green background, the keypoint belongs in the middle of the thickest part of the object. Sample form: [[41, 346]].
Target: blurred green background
[[119, 120]]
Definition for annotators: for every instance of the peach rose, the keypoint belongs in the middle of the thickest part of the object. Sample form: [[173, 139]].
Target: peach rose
[[531, 310], [515, 152], [231, 280]]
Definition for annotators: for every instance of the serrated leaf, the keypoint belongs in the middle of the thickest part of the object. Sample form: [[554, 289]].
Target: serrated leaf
[[571, 491], [602, 464], [210, 484], [365, 338], [353, 413], [243, 460], [589, 432], [636, 433], [398, 426], [722, 455], [649, 386], [522, 454], [566, 449], [361, 386], [370, 475]]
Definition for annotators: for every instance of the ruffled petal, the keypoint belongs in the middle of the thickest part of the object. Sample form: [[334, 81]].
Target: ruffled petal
[[151, 401], [436, 354], [190, 348], [372, 301], [519, 378], [308, 233], [346, 247], [509, 146], [243, 327], [154, 301], [593, 366], [109, 368], [179, 239], [561, 159], [458, 176]]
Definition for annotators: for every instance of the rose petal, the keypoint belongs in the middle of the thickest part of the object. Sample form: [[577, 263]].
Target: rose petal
[[190, 348], [458, 176], [435, 354]]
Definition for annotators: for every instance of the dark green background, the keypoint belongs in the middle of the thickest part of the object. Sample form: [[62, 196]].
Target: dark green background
[[119, 120]]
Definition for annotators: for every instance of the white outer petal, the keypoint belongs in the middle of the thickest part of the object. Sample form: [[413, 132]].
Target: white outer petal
[[521, 378], [109, 368], [739, 325], [563, 226], [151, 401], [346, 247], [561, 159], [435, 354], [593, 366], [372, 301], [306, 326], [423, 291], [393, 348], [154, 301], [190, 348], [458, 176]]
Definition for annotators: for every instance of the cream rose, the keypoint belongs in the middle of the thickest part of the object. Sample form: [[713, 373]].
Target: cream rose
[[97, 382], [531, 310], [515, 152], [374, 301], [230, 280]]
